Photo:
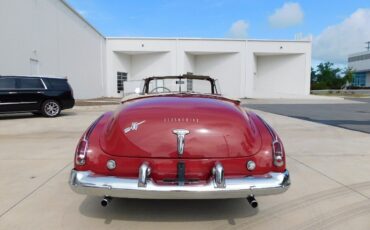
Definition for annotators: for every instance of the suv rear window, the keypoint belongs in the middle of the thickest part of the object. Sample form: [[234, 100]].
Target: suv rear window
[[58, 84], [30, 83], [7, 83]]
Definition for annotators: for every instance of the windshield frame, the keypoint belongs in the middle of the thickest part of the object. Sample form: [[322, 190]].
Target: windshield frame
[[181, 77]]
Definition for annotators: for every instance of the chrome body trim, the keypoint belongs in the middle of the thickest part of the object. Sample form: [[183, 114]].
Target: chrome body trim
[[180, 139], [269, 128], [42, 81], [86, 182], [18, 103]]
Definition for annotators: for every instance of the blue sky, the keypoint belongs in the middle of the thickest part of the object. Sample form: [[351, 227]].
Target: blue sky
[[260, 19]]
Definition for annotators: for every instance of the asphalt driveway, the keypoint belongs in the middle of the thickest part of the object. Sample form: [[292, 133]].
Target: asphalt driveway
[[353, 114]]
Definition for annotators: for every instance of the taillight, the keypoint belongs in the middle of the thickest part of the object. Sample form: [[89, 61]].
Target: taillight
[[81, 152], [83, 146], [70, 87], [277, 147], [277, 151]]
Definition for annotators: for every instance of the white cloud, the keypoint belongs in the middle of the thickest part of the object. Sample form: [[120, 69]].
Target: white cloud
[[238, 29], [290, 14], [337, 41]]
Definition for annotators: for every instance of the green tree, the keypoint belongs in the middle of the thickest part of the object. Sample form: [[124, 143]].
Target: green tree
[[326, 76], [348, 75], [313, 75]]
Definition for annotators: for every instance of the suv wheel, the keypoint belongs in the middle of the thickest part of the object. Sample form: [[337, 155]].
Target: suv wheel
[[50, 108]]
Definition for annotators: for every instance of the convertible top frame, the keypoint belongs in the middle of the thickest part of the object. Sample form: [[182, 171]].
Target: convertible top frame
[[184, 76]]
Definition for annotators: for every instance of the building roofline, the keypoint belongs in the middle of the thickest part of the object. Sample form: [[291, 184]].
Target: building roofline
[[210, 39], [278, 40], [65, 3], [81, 17], [362, 71], [365, 69], [359, 53], [170, 38]]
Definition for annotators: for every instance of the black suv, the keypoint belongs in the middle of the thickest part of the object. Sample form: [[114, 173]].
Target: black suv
[[39, 95]]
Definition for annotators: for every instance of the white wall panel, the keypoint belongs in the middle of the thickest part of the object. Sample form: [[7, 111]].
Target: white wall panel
[[59, 40], [280, 75], [223, 67], [151, 64]]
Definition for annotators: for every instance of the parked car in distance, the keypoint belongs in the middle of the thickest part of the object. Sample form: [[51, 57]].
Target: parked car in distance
[[180, 139], [46, 96]]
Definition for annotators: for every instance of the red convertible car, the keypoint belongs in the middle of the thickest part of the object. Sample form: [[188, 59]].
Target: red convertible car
[[179, 139]]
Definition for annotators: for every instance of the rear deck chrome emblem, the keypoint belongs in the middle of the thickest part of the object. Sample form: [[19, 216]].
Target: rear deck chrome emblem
[[134, 126], [180, 139]]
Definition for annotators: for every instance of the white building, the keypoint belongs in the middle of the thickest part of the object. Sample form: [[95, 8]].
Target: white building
[[48, 37], [360, 63]]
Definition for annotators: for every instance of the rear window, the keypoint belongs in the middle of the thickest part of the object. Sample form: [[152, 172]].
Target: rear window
[[7, 83], [58, 84], [30, 83]]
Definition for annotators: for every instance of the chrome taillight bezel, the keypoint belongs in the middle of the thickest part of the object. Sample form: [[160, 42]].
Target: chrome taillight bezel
[[81, 154], [277, 153]]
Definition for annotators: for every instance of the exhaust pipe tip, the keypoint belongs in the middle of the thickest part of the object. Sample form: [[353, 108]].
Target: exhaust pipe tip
[[105, 201], [252, 201]]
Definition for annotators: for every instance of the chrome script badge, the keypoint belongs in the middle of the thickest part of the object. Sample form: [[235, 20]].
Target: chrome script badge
[[134, 126]]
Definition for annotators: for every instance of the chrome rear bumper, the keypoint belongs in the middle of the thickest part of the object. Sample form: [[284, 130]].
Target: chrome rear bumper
[[86, 182]]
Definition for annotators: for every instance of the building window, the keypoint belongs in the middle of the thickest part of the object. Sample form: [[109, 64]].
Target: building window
[[359, 79], [359, 58], [121, 77], [189, 85]]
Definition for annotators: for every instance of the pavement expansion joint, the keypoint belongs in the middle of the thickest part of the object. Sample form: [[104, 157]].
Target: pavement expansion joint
[[330, 178], [34, 190]]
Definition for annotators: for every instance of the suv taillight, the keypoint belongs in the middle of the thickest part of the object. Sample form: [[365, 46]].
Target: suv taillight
[[70, 87]]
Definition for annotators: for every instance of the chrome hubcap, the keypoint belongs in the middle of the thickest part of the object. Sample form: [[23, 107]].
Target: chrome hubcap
[[51, 108]]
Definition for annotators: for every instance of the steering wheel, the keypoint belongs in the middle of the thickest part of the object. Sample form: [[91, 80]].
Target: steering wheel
[[160, 87]]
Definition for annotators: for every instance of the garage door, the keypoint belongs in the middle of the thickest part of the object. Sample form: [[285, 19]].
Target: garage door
[[279, 76]]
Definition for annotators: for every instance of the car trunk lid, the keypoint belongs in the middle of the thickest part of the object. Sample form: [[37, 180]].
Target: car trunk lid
[[212, 128]]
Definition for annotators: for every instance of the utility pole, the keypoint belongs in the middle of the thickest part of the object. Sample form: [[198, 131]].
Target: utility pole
[[368, 45]]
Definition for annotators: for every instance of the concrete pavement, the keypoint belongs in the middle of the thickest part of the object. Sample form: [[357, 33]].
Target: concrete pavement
[[329, 168]]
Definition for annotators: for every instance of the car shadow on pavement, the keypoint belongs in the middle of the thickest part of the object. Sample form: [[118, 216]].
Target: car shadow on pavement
[[14, 116], [167, 210]]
